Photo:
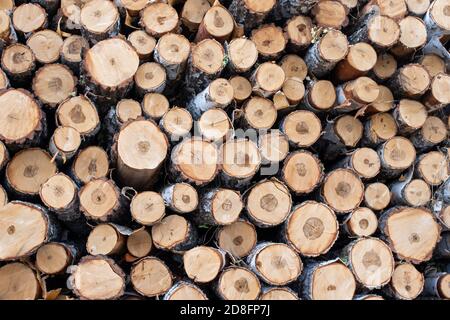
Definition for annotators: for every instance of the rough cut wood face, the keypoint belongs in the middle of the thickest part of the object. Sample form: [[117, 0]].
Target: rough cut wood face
[[231, 149]]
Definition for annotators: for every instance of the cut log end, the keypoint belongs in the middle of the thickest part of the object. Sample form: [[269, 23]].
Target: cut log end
[[139, 243], [147, 208], [105, 239], [99, 199], [238, 283], [18, 282], [407, 282], [90, 163], [202, 264], [377, 196], [53, 258], [58, 192], [238, 238], [362, 222], [302, 172], [159, 19], [151, 277]]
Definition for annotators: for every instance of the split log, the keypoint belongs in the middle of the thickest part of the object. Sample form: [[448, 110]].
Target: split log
[[99, 20], [219, 207], [259, 114], [29, 18], [410, 81], [64, 143], [430, 134], [242, 54], [159, 18], [143, 43], [267, 79], [432, 167], [412, 233], [379, 128], [107, 239], [438, 97], [377, 196], [329, 280], [302, 128], [238, 239], [180, 197], [172, 52], [147, 208], [410, 192], [364, 161], [251, 13], [437, 284], [410, 116], [361, 58], [54, 257], [183, 290], [90, 163], [174, 233], [275, 263], [406, 283], [273, 146], [270, 41], [18, 62], [18, 281], [354, 95], [413, 36], [397, 154], [380, 31], [71, 51], [433, 63], [320, 96], [214, 125], [361, 222], [383, 103], [193, 12], [46, 46], [238, 283], [217, 23], [299, 33], [141, 149], [96, 277], [139, 243], [202, 264], [436, 19], [278, 293], [311, 229], [155, 105], [330, 14], [384, 68]]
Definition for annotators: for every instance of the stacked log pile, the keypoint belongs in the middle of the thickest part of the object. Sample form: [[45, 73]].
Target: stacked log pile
[[234, 149]]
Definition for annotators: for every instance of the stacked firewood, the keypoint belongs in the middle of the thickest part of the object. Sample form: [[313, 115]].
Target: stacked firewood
[[235, 149]]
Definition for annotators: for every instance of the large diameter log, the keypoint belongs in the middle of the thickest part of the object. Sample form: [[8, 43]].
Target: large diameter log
[[96, 278], [413, 193], [364, 161], [436, 19], [46, 46], [406, 283], [251, 13], [172, 52], [159, 18], [107, 239], [311, 229], [193, 12], [379, 31], [438, 97], [432, 132], [180, 197], [238, 239], [54, 257], [278, 293], [242, 54], [361, 222], [270, 41], [412, 233], [174, 233], [437, 285], [361, 58], [24, 227], [356, 94], [329, 280], [202, 264], [183, 290], [379, 128], [219, 207], [432, 167], [275, 263], [141, 148], [217, 23], [302, 128], [267, 79], [370, 260], [396, 154], [410, 116], [238, 283], [147, 208], [413, 36], [320, 96], [143, 43], [90, 163], [71, 51], [410, 81], [28, 18], [18, 281]]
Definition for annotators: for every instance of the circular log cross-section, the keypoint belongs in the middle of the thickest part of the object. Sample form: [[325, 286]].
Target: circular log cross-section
[[172, 52], [28, 170], [159, 18], [377, 196], [311, 229], [180, 197], [97, 278], [143, 43], [259, 113], [238, 283], [46, 46], [364, 161], [99, 20], [342, 190], [361, 58], [274, 147], [54, 257], [155, 105], [433, 131], [432, 167], [71, 51], [320, 96], [243, 54], [105, 239], [79, 113], [412, 233], [90, 163], [413, 35], [414, 193], [147, 208], [437, 285], [406, 283], [436, 19], [379, 128], [18, 282], [219, 207], [214, 125], [139, 243], [238, 238], [60, 194], [294, 67], [141, 148], [396, 155], [345, 132], [385, 67], [193, 12], [150, 77], [126, 110], [361, 222], [64, 143], [217, 23], [242, 88], [278, 293], [330, 14], [174, 233], [270, 41], [184, 290], [151, 277], [433, 63], [356, 94], [379, 31], [267, 79], [299, 32], [202, 264], [28, 18], [409, 115], [18, 62], [302, 128], [268, 203], [410, 81], [438, 97]]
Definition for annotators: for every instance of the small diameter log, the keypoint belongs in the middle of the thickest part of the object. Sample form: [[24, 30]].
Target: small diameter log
[[147, 208], [237, 239], [440, 205], [28, 18], [410, 116], [242, 54], [143, 43], [64, 143], [275, 263], [417, 7], [410, 81], [270, 41], [311, 229], [107, 239], [294, 67], [302, 172], [46, 46], [219, 207], [139, 243], [384, 68], [273, 146], [27, 171], [437, 285], [354, 95], [172, 52], [291, 94], [23, 124], [430, 134], [18, 281], [436, 19], [99, 20], [141, 149], [259, 114], [383, 103], [330, 14], [413, 36], [381, 32], [174, 233], [193, 12], [214, 125], [432, 167], [302, 128], [299, 33], [180, 197], [438, 97], [90, 163], [203, 264], [4, 156], [370, 260], [119, 63], [68, 16], [413, 193], [54, 257], [155, 105], [406, 283], [100, 201], [217, 23], [125, 110], [268, 203], [361, 222], [379, 128], [18, 62], [130, 7], [395, 10], [396, 154], [183, 290], [81, 114], [361, 58], [7, 33], [286, 9], [158, 19], [4, 81], [412, 233], [320, 96], [341, 134], [342, 190], [71, 51], [433, 63], [324, 54], [377, 196], [278, 293], [242, 88], [218, 94], [194, 161], [205, 64], [241, 160], [19, 239], [96, 278], [329, 280], [364, 161], [251, 13], [238, 283], [60, 195], [150, 77], [267, 79]]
